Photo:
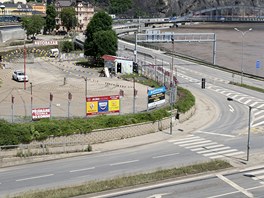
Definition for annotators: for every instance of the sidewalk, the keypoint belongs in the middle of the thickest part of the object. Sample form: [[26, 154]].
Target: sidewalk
[[205, 113]]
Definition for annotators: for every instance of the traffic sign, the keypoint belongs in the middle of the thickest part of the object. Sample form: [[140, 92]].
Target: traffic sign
[[258, 64]]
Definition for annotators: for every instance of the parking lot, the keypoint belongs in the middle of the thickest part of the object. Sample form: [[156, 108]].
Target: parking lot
[[49, 75]]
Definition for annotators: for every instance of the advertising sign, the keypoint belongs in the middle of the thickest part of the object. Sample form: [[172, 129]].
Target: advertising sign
[[156, 97], [45, 42], [102, 105], [39, 113]]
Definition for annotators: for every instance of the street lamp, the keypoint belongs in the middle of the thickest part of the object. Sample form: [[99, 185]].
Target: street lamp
[[249, 126], [3, 9], [242, 61]]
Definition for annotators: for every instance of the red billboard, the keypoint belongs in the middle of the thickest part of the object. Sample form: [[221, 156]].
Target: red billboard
[[39, 113]]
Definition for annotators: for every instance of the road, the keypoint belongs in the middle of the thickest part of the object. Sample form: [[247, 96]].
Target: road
[[238, 184], [224, 138]]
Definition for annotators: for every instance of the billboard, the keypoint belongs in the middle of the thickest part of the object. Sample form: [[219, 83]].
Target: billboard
[[156, 97], [39, 113], [102, 105]]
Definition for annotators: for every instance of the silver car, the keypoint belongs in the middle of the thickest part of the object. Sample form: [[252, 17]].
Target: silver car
[[19, 76]]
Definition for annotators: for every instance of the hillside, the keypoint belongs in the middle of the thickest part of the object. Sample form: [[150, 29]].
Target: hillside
[[162, 8]]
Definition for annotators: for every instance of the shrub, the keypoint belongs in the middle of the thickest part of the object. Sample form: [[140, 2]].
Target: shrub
[[67, 46]]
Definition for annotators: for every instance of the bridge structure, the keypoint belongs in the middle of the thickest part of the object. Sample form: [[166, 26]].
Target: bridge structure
[[218, 14]]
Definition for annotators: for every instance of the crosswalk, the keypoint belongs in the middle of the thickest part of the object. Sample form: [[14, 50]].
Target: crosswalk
[[205, 147], [256, 175], [256, 103]]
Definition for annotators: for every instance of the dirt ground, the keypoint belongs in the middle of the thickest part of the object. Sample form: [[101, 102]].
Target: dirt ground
[[48, 75], [228, 45]]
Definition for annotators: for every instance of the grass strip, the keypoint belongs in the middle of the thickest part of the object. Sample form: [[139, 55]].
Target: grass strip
[[248, 87], [126, 181]]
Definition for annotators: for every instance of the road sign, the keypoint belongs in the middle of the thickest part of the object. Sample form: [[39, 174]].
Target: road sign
[[46, 42], [258, 63]]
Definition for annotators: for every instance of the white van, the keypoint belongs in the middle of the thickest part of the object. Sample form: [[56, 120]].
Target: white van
[[54, 52]]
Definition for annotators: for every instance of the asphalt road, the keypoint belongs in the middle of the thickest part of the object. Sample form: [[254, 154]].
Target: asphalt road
[[225, 137], [235, 184]]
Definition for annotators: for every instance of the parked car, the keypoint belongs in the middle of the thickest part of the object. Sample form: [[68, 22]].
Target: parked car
[[19, 76]]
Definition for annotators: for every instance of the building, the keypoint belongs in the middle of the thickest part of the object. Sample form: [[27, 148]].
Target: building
[[14, 1], [20, 9], [84, 12]]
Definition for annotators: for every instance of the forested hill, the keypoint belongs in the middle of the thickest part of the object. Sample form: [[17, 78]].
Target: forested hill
[[162, 8]]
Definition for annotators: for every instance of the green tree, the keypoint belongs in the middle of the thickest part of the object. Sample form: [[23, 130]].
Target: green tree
[[120, 6], [67, 46], [50, 18], [33, 24], [105, 42], [101, 23], [68, 18]]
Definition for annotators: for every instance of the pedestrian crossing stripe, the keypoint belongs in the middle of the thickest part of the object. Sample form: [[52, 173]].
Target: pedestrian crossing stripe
[[205, 147]]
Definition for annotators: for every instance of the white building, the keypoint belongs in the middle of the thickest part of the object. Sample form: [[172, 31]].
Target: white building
[[14, 1]]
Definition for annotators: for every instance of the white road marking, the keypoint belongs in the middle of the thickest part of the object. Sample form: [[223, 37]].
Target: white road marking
[[227, 155], [84, 169], [200, 145], [235, 186], [121, 163], [255, 172], [224, 194], [247, 101], [167, 155], [231, 108], [252, 105], [191, 137], [259, 112], [195, 143], [258, 177], [157, 195], [36, 177], [258, 118], [214, 150], [258, 124], [190, 141], [210, 133], [220, 152]]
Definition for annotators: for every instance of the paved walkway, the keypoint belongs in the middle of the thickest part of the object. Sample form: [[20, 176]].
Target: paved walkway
[[205, 109]]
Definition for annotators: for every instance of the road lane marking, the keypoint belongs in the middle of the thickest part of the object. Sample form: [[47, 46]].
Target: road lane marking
[[201, 145], [258, 177], [195, 143], [247, 101], [214, 150], [36, 177], [235, 186], [224, 194], [167, 155], [227, 155], [210, 133], [259, 123], [121, 163], [189, 141], [255, 172], [220, 152], [84, 169], [231, 108], [178, 140]]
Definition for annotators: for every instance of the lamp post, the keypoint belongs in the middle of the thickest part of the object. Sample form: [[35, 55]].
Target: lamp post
[[242, 46], [249, 126], [3, 9], [25, 56]]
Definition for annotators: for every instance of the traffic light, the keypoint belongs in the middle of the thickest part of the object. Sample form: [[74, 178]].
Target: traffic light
[[203, 83]]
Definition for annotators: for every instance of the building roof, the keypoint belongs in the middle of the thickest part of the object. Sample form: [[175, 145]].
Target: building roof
[[113, 58]]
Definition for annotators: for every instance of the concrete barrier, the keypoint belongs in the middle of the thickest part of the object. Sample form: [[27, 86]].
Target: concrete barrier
[[11, 34]]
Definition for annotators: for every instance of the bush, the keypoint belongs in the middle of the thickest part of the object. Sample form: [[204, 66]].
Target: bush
[[67, 46], [13, 134]]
